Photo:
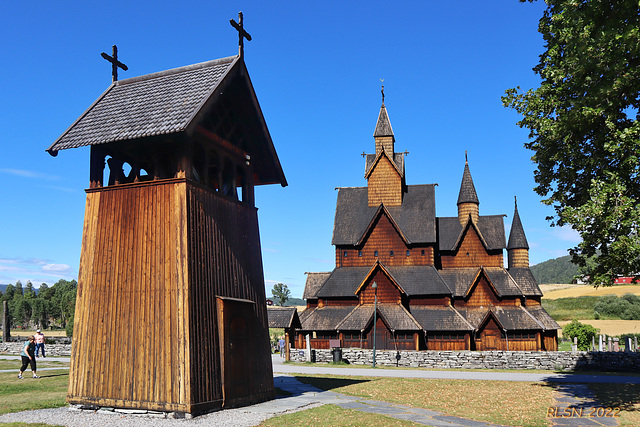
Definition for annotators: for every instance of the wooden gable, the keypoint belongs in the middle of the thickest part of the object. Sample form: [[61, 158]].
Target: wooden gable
[[388, 292], [471, 252], [481, 293], [383, 241], [384, 182]]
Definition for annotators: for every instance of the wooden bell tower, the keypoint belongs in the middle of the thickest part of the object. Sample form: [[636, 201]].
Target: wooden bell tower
[[171, 308]]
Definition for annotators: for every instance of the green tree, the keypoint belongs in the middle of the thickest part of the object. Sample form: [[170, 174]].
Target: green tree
[[584, 130], [585, 333], [281, 293]]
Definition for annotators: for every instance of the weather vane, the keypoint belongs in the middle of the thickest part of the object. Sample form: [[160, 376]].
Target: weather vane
[[382, 80], [114, 63], [242, 34]]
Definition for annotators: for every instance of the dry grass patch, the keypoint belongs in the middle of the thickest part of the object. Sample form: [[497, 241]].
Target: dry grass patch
[[610, 327], [500, 402], [589, 291]]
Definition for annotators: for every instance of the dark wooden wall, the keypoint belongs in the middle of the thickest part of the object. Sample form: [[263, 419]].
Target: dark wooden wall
[[154, 256], [387, 292], [383, 238], [471, 253]]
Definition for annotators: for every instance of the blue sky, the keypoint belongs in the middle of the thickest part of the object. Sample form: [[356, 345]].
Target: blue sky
[[317, 69]]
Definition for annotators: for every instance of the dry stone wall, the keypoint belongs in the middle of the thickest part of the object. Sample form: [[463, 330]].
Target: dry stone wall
[[555, 360], [15, 348]]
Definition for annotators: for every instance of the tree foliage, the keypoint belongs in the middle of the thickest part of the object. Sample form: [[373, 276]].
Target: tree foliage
[[281, 293], [585, 333], [50, 305], [584, 129]]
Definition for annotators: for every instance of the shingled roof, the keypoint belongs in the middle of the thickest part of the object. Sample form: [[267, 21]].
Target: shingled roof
[[436, 318], [517, 239], [324, 318], [174, 102], [543, 317], [419, 280], [467, 189], [415, 217], [525, 280], [283, 317], [383, 125], [491, 228], [314, 283], [503, 283], [343, 282]]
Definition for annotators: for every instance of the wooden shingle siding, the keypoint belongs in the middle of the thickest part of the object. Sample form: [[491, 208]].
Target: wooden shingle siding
[[466, 209], [146, 334], [481, 294], [383, 238], [518, 258], [385, 184], [422, 301], [472, 253], [388, 293]]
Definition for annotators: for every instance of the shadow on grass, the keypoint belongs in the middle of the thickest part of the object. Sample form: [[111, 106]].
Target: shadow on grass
[[598, 395], [325, 383]]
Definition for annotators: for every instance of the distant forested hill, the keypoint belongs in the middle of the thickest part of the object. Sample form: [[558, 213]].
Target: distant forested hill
[[558, 270]]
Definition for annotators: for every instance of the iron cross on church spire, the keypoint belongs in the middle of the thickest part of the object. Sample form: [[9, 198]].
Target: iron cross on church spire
[[114, 63], [242, 34]]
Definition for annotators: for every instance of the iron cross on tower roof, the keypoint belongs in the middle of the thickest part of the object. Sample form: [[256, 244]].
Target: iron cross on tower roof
[[242, 34], [114, 63]]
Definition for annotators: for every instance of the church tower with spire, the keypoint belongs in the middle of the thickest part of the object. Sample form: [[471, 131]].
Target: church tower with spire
[[468, 204], [518, 247], [384, 170]]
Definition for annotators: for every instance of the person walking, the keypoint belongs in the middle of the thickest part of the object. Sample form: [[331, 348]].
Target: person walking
[[29, 357], [39, 343], [281, 345]]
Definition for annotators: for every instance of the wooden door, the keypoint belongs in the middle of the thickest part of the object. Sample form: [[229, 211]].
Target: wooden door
[[235, 324]]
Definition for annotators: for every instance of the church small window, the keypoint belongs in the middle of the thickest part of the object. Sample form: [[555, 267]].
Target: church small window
[[408, 252], [375, 253], [390, 253], [422, 252], [360, 253], [345, 254]]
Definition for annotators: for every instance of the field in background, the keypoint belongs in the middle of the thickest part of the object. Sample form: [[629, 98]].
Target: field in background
[[26, 332], [611, 327], [573, 291]]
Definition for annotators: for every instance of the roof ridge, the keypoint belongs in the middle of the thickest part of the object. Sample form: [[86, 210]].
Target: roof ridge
[[177, 70]]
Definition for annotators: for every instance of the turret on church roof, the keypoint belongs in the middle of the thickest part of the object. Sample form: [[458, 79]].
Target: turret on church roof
[[467, 189], [517, 239]]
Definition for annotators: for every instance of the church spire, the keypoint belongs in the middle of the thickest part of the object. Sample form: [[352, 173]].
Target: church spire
[[383, 134], [518, 247], [468, 203]]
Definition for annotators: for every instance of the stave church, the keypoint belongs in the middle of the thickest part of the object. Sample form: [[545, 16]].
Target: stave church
[[428, 282]]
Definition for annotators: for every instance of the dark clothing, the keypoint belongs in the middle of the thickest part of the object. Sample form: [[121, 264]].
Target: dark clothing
[[26, 362]]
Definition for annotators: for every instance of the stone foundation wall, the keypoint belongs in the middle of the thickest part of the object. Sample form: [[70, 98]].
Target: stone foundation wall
[[554, 360], [15, 348]]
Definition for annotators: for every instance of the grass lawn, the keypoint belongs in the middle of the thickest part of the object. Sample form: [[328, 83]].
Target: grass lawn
[[507, 403], [488, 401], [49, 391], [570, 308]]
